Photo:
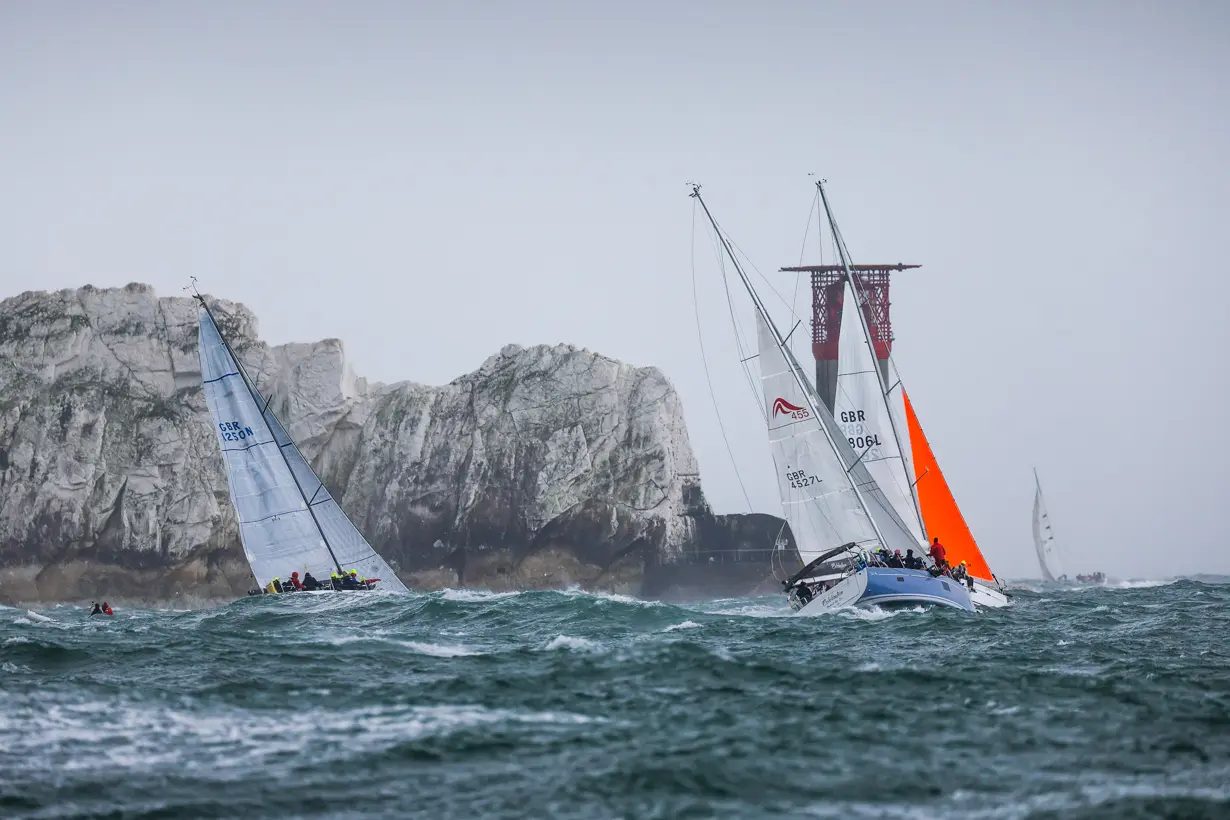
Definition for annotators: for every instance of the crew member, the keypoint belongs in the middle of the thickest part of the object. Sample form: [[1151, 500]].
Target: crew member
[[937, 553], [894, 560], [107, 609], [349, 581], [310, 583], [961, 573], [294, 579], [273, 586], [97, 610], [911, 560]]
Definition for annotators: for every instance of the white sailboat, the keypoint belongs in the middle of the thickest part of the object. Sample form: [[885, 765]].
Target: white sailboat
[[876, 420], [1044, 538], [1046, 546], [861, 407], [288, 520], [834, 506]]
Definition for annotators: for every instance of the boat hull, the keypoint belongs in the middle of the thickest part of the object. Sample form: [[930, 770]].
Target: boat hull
[[307, 591], [986, 596], [886, 587]]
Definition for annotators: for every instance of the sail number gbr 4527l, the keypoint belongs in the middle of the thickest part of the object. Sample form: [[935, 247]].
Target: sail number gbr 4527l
[[799, 479]]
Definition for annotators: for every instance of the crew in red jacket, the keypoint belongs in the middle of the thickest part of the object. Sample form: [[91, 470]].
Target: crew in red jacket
[[937, 554]]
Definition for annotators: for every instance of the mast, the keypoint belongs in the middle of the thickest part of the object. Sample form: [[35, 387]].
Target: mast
[[844, 256], [790, 360], [243, 374]]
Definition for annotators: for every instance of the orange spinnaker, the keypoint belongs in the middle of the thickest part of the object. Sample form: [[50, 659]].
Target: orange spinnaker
[[941, 515]]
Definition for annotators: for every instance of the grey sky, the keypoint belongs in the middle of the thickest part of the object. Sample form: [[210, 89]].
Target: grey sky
[[432, 181]]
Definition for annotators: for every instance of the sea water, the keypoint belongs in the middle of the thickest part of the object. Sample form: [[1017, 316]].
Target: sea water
[[1094, 702]]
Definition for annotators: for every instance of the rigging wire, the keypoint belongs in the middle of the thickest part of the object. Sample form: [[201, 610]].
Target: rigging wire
[[744, 349], [712, 395], [798, 278]]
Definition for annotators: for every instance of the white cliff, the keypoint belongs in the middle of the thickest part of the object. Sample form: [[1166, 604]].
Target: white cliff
[[547, 466]]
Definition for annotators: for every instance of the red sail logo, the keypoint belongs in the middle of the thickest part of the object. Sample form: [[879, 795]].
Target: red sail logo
[[780, 405]]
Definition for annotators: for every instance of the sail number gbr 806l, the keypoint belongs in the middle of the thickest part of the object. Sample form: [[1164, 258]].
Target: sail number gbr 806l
[[852, 424], [234, 431]]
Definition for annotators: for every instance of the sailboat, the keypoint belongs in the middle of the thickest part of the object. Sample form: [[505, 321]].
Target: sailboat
[[880, 422], [288, 520], [1044, 538], [836, 510], [1048, 550]]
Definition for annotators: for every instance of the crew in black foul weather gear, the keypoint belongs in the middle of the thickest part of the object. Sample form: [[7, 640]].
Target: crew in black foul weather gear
[[310, 583]]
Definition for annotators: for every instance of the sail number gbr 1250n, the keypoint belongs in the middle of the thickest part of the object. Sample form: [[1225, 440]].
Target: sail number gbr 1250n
[[234, 431]]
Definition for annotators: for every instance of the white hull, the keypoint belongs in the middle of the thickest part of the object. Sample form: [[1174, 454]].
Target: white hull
[[986, 596], [842, 596]]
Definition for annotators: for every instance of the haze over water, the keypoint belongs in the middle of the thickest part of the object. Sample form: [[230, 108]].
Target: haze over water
[[1099, 702]]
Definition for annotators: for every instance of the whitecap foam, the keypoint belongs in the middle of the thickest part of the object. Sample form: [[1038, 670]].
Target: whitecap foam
[[755, 611], [422, 648], [111, 735], [571, 643], [475, 595], [1137, 584], [439, 650], [684, 625]]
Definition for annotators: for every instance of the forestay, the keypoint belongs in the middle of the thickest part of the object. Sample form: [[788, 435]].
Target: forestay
[[1044, 539], [862, 411], [280, 532], [816, 479]]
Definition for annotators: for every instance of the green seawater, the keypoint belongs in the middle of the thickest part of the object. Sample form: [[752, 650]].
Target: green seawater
[[1095, 702]]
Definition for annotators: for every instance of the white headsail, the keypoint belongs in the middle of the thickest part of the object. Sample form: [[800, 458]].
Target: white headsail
[[817, 479], [288, 521], [862, 410], [1044, 538]]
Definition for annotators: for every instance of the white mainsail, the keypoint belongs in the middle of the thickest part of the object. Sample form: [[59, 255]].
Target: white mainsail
[[288, 521], [1044, 538], [863, 413], [817, 479]]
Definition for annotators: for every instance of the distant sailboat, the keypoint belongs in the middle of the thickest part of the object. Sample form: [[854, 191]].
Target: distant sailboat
[[881, 424], [832, 502], [1044, 537], [288, 521]]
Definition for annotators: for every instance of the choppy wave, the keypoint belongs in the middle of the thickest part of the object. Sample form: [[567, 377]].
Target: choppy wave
[[1114, 702]]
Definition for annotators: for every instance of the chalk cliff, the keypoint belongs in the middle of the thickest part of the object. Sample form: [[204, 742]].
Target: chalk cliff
[[546, 467]]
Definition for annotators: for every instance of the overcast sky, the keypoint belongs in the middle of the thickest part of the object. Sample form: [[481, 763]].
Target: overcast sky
[[429, 182]]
